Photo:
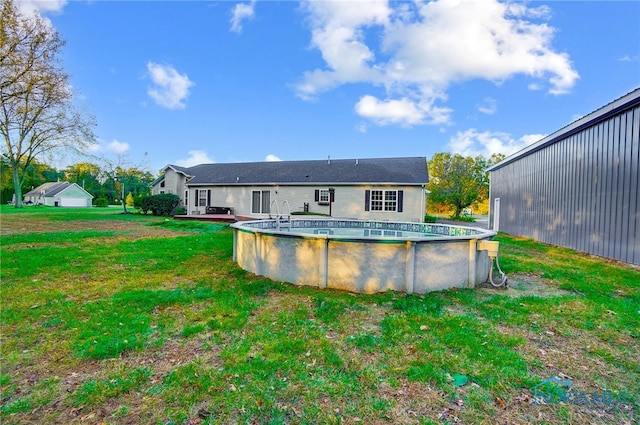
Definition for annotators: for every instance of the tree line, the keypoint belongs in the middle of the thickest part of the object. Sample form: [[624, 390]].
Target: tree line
[[109, 183]]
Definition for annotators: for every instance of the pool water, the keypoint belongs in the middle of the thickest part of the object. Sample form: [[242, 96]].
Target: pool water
[[367, 233]]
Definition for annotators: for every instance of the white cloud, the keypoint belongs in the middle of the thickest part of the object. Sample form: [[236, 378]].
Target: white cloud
[[488, 106], [240, 13], [529, 139], [403, 111], [400, 111], [40, 6], [196, 157], [170, 87], [415, 51], [628, 58], [473, 143], [117, 147], [338, 32], [272, 158]]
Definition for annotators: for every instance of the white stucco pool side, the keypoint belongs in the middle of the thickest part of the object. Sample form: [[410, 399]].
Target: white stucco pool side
[[363, 264]]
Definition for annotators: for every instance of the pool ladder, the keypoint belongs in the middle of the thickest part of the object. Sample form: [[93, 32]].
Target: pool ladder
[[282, 220]]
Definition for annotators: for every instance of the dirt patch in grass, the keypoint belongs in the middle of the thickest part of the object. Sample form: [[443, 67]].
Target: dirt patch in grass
[[15, 224], [521, 285], [410, 401], [132, 407]]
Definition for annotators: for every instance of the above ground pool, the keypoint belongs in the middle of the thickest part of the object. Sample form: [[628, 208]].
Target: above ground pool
[[363, 256]]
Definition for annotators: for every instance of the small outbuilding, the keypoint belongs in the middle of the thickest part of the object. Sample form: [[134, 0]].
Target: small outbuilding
[[578, 187], [59, 194]]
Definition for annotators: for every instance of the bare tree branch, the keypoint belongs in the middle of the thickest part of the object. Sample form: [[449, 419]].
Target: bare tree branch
[[37, 114]]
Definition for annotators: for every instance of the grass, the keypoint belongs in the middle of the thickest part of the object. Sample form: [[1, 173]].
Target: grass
[[112, 318]]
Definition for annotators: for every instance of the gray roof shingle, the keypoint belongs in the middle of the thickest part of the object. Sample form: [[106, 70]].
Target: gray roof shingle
[[406, 170], [49, 189]]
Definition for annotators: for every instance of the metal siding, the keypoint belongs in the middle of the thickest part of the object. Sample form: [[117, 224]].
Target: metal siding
[[580, 235], [606, 188], [553, 161], [625, 154], [614, 247], [601, 184], [634, 187], [580, 192], [570, 213]]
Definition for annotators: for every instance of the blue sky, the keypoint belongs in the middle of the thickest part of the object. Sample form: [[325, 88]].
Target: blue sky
[[186, 82]]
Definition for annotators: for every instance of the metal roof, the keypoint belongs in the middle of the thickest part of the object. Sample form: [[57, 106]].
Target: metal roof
[[405, 170], [627, 101]]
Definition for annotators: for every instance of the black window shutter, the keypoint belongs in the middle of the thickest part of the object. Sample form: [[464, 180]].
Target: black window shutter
[[400, 193], [367, 194], [208, 197], [317, 195], [196, 198], [332, 196]]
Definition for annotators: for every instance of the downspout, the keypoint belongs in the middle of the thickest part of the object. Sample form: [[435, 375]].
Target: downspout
[[424, 203]]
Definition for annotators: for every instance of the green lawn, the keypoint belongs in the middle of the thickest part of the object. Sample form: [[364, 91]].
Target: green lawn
[[112, 318]]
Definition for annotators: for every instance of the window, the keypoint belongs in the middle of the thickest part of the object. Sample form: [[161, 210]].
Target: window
[[325, 196], [202, 196], [390, 200], [376, 200], [383, 200], [260, 201], [162, 183]]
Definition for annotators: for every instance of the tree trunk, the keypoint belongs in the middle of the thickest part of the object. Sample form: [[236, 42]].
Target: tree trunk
[[17, 185]]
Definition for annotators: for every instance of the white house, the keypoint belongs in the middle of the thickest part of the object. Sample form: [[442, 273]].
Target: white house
[[372, 188], [59, 194]]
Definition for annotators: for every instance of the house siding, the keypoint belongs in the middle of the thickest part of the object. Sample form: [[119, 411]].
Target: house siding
[[349, 200], [75, 196], [174, 183], [579, 191]]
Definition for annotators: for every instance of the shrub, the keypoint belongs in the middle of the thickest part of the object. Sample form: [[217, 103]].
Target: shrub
[[162, 204], [430, 218], [465, 218], [181, 211], [101, 202], [137, 201]]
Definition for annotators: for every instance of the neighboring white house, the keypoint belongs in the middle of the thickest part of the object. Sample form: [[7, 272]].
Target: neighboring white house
[[59, 194], [372, 188]]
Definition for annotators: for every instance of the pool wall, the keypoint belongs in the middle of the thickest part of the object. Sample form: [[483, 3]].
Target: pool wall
[[363, 264]]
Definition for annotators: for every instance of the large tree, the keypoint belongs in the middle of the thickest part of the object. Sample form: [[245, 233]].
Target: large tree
[[37, 113], [87, 175], [457, 181], [34, 175]]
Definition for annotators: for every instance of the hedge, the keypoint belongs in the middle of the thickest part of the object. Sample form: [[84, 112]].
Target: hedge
[[162, 204]]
